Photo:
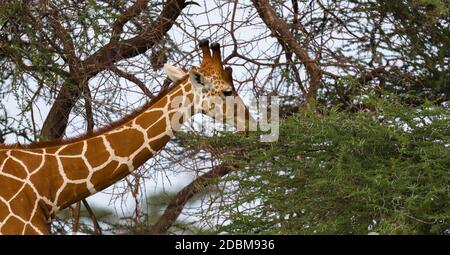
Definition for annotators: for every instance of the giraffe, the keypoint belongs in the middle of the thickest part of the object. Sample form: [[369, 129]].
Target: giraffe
[[40, 179]]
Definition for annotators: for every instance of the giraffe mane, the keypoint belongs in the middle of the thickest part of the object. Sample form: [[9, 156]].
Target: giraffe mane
[[101, 130]]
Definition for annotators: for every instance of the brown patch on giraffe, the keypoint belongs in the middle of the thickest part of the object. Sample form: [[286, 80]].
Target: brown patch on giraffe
[[3, 156], [173, 96], [52, 149], [121, 174], [29, 230], [4, 212], [75, 168], [39, 221], [145, 120], [47, 180], [108, 174], [32, 161], [14, 168], [96, 152], [158, 143], [22, 205], [125, 142], [9, 186], [141, 157], [12, 226], [72, 193], [72, 149], [157, 128], [105, 179], [161, 103]]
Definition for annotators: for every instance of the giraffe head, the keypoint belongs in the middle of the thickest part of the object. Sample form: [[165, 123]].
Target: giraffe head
[[214, 93]]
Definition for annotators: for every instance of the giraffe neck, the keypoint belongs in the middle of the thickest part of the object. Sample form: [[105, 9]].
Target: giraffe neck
[[105, 159], [36, 183]]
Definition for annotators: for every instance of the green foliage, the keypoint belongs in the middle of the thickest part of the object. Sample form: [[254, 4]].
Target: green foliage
[[423, 25], [344, 173]]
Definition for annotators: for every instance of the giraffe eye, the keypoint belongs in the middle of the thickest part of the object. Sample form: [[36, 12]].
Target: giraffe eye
[[227, 93], [197, 78]]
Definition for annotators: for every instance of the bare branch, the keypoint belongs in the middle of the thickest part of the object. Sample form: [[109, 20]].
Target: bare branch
[[56, 121], [280, 30], [97, 228], [133, 79], [154, 33], [177, 204], [133, 11]]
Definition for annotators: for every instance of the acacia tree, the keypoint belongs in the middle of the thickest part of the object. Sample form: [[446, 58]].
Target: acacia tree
[[89, 61], [332, 54]]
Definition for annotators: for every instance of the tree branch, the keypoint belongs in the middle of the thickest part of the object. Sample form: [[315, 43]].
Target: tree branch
[[133, 79], [97, 228], [56, 121], [177, 204], [280, 30], [66, 40], [155, 32], [133, 11]]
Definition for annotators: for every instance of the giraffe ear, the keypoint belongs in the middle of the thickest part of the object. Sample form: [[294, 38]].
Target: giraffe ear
[[174, 73]]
